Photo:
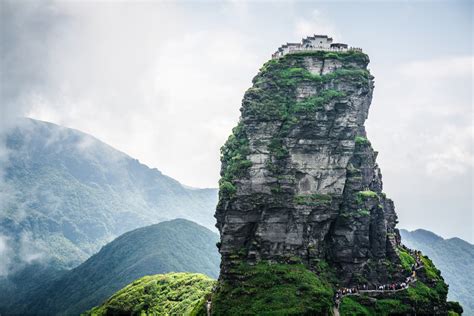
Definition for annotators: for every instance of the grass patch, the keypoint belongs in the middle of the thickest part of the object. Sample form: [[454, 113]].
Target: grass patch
[[390, 307], [406, 259], [431, 271], [363, 195], [367, 194], [350, 306], [273, 289], [420, 293], [313, 199], [360, 140]]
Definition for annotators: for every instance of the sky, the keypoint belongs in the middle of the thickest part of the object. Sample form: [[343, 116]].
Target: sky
[[163, 82]]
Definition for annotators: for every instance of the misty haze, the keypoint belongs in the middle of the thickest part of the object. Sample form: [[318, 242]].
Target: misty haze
[[236, 158]]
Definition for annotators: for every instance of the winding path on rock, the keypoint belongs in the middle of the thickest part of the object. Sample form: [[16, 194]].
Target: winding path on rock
[[335, 309]]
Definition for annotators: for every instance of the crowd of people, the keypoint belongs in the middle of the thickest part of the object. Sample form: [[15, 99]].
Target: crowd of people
[[396, 286]]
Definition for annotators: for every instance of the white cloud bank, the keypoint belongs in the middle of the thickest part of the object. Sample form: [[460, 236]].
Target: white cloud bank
[[421, 122]]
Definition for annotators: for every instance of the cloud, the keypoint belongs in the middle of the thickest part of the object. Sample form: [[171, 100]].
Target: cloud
[[421, 122], [145, 89], [451, 153], [316, 23], [27, 251], [5, 256], [439, 68], [27, 31], [30, 250]]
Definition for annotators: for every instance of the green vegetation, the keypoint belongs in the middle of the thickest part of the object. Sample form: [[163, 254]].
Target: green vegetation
[[274, 92], [367, 194], [325, 272], [423, 296], [363, 212], [227, 188], [364, 195], [406, 259], [419, 298], [311, 103], [174, 246], [162, 294], [361, 305], [346, 57], [454, 308], [273, 289], [75, 194], [360, 140], [391, 307], [313, 199], [234, 160], [429, 268], [349, 306], [277, 149], [431, 271], [274, 97], [290, 77], [454, 257]]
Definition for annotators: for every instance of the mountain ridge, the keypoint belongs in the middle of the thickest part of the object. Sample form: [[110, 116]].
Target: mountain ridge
[[455, 257], [66, 193], [171, 246]]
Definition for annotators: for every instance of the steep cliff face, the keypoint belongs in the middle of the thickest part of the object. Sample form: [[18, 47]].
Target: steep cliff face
[[299, 177], [301, 191]]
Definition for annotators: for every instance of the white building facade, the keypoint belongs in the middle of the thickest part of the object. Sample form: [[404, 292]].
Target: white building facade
[[313, 43]]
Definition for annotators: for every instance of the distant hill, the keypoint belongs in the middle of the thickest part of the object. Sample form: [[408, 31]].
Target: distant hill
[[173, 246], [168, 294], [65, 194], [454, 257]]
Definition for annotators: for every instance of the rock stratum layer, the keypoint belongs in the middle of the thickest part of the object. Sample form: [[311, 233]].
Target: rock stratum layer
[[300, 183]]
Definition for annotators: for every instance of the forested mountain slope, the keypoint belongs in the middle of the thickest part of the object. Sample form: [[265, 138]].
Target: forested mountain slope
[[65, 194], [172, 246], [454, 256]]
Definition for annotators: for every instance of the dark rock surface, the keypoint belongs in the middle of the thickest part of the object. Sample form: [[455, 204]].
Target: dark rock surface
[[300, 180]]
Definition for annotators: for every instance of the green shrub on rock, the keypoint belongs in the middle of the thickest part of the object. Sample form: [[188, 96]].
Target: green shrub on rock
[[455, 308], [360, 140], [406, 259]]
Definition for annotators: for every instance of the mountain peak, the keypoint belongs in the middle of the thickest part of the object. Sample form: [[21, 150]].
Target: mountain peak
[[301, 193]]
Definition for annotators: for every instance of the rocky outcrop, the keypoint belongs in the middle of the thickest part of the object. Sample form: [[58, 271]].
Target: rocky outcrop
[[300, 180]]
